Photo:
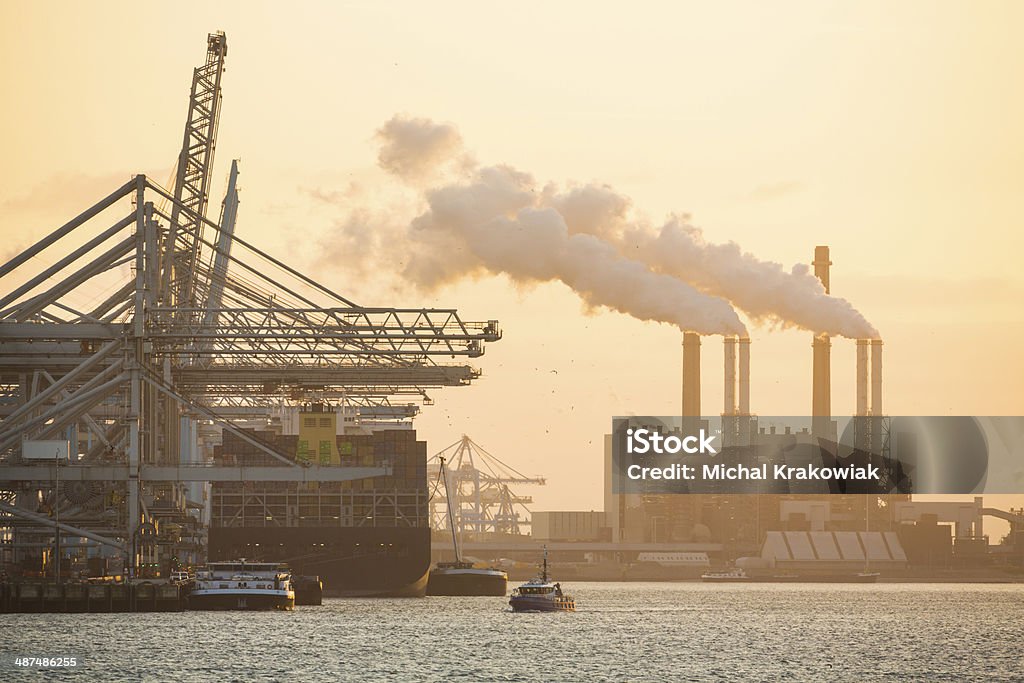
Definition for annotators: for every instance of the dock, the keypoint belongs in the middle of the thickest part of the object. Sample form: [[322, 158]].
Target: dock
[[53, 597]]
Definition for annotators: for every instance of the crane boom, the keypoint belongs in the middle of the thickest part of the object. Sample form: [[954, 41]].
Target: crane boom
[[192, 183]]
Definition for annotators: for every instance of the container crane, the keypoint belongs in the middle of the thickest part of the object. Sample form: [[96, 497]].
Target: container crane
[[483, 501]]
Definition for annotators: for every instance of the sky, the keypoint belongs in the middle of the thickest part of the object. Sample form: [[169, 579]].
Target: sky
[[888, 131]]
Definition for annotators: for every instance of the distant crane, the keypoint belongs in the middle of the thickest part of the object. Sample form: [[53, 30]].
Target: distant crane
[[479, 485]]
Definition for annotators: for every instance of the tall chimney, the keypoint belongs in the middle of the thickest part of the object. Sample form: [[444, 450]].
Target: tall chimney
[[821, 392], [730, 375], [821, 263], [862, 376], [691, 374], [744, 376], [876, 377]]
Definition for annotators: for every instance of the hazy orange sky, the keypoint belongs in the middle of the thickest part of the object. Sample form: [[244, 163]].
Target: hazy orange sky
[[889, 131]]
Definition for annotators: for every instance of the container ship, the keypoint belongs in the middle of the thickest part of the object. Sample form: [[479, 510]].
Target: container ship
[[368, 537]]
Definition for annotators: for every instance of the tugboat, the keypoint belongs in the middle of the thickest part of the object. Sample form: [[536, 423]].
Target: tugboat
[[540, 595], [243, 585], [459, 577]]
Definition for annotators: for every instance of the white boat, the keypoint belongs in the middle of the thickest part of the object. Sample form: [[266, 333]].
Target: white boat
[[541, 595], [726, 576], [243, 585], [738, 575]]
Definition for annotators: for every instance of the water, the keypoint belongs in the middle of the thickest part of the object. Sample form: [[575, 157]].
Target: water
[[622, 631]]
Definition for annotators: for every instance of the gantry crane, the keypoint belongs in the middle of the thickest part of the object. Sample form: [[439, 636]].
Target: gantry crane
[[157, 319], [479, 484]]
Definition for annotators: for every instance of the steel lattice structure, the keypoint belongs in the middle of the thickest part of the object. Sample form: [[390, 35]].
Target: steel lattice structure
[[185, 321], [478, 483]]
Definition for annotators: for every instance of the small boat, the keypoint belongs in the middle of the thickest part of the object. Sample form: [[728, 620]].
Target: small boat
[[242, 585], [459, 577], [540, 595], [727, 576], [740, 576]]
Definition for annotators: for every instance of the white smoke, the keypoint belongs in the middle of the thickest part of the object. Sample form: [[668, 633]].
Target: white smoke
[[495, 220], [764, 290], [416, 149], [494, 225]]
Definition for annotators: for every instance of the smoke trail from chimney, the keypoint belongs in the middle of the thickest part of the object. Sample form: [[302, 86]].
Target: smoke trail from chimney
[[764, 290], [496, 219], [493, 224], [417, 149]]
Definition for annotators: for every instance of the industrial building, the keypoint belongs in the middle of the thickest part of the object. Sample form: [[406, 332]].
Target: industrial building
[[750, 524]]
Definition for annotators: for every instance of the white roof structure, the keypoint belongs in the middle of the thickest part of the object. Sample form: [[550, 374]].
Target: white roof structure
[[833, 547]]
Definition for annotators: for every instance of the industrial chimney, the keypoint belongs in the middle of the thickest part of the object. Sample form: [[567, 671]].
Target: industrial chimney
[[821, 392], [729, 407], [821, 265], [691, 374], [876, 377], [744, 376], [862, 376]]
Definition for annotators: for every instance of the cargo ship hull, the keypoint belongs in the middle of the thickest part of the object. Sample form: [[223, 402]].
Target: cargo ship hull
[[241, 600], [467, 582], [350, 561]]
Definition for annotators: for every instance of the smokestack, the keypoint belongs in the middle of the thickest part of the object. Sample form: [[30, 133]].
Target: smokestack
[[745, 376], [821, 263], [876, 377], [821, 391], [691, 374], [821, 394], [729, 407], [862, 376]]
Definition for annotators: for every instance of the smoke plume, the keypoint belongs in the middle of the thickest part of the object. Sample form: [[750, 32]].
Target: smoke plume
[[414, 149], [763, 290], [496, 219], [494, 225]]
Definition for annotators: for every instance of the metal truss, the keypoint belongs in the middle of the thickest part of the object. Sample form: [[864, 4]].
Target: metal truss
[[478, 484], [155, 316]]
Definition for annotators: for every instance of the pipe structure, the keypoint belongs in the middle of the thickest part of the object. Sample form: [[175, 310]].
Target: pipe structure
[[48, 521]]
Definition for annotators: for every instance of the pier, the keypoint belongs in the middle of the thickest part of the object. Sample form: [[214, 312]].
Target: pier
[[53, 597]]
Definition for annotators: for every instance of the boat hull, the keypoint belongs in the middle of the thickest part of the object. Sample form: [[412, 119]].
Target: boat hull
[[530, 603], [350, 561], [442, 582], [794, 578], [241, 600]]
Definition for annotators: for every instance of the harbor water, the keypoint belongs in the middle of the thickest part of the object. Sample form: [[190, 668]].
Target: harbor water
[[621, 631]]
